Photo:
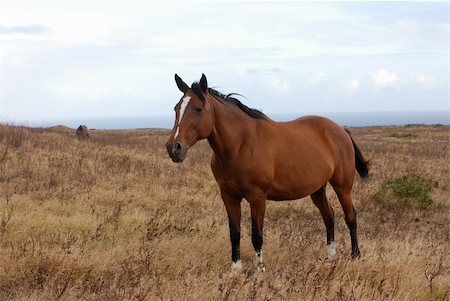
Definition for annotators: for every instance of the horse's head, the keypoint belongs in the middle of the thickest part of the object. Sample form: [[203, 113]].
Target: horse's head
[[193, 118]]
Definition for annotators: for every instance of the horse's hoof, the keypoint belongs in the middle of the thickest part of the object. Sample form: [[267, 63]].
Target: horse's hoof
[[331, 251], [331, 256], [356, 255], [258, 262], [260, 267]]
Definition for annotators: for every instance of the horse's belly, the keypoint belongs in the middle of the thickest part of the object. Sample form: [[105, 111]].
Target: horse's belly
[[296, 182], [286, 193], [284, 197]]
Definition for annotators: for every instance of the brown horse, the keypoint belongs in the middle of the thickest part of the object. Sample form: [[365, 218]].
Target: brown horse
[[82, 132], [257, 158]]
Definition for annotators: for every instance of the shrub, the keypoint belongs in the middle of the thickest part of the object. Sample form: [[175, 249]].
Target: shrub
[[411, 190]]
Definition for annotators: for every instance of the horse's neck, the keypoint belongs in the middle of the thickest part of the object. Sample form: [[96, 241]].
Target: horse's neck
[[231, 128]]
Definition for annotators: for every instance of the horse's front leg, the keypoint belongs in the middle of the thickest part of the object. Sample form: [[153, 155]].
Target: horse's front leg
[[233, 206], [258, 209]]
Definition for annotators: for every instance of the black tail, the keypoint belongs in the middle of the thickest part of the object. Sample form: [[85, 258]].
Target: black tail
[[362, 166]]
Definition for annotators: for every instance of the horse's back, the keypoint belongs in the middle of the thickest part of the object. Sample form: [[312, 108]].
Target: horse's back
[[314, 122], [321, 128]]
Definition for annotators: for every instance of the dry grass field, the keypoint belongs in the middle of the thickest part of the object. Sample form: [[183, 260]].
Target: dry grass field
[[112, 218]]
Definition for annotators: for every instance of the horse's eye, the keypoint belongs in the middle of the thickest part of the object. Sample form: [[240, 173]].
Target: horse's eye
[[198, 110]]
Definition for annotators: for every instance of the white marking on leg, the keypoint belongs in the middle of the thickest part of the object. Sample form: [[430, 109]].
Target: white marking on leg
[[331, 250], [259, 262], [183, 106], [236, 266], [258, 257]]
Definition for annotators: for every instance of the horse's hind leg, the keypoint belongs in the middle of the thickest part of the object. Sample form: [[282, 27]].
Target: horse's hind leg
[[320, 200], [258, 208], [345, 198]]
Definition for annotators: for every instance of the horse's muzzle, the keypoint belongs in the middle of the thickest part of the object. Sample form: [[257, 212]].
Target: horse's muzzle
[[177, 151]]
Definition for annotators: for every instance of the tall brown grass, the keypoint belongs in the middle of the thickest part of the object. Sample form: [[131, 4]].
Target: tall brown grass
[[114, 219]]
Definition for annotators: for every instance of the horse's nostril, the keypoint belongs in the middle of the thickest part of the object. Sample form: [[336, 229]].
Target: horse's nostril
[[176, 148]]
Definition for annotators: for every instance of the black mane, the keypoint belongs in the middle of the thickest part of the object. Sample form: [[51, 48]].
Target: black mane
[[229, 99]]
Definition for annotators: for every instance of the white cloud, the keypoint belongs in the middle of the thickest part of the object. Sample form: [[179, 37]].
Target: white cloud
[[98, 93], [384, 79], [424, 81], [407, 26], [63, 25], [352, 85], [318, 78], [279, 84], [98, 53]]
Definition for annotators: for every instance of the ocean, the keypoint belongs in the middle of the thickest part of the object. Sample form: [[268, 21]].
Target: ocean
[[342, 118]]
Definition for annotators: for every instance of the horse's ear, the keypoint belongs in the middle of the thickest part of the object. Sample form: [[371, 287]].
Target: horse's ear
[[181, 84], [203, 83]]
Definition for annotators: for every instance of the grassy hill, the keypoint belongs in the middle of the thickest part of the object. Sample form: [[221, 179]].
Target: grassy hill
[[112, 218]]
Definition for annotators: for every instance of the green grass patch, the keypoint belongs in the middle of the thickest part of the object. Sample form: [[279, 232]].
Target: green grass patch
[[407, 136], [410, 190]]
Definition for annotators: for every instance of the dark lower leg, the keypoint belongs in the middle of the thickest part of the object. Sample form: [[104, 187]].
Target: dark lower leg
[[235, 237], [329, 224], [320, 200], [351, 223], [233, 206], [257, 238], [346, 201], [258, 207]]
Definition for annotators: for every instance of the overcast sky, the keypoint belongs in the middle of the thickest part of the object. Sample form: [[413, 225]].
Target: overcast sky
[[117, 59]]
